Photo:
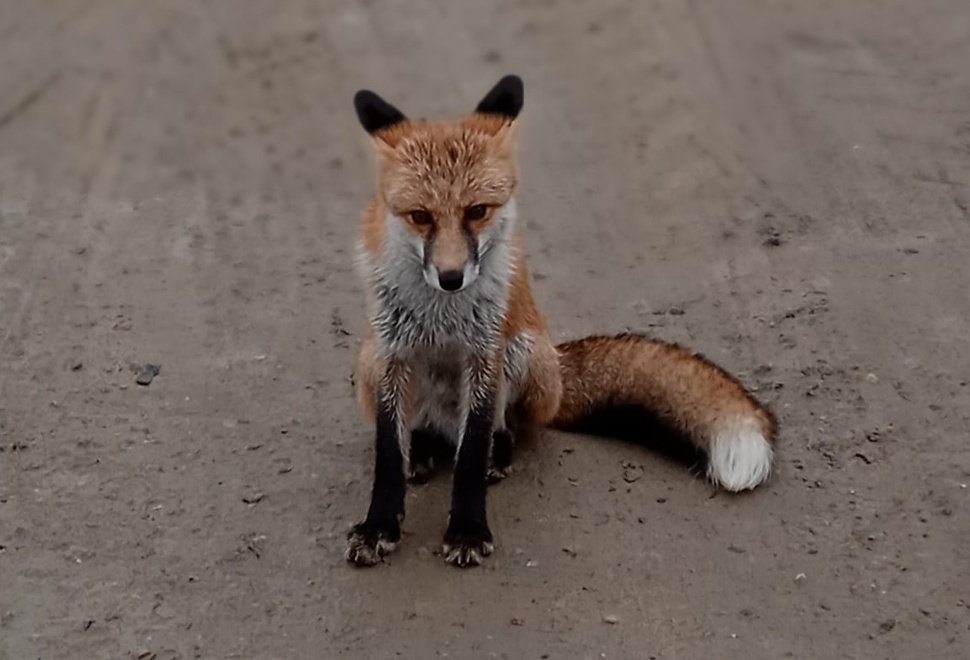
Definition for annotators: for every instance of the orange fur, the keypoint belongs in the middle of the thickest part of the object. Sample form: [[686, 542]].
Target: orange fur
[[369, 369], [522, 313], [444, 167], [372, 226], [685, 390], [441, 168]]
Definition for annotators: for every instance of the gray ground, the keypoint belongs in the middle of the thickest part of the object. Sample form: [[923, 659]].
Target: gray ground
[[782, 186]]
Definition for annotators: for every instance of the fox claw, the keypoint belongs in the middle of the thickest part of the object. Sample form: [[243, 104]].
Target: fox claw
[[366, 546], [495, 473], [466, 550], [420, 473]]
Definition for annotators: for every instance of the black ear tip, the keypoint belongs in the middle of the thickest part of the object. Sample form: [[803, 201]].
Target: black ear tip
[[513, 84], [375, 113], [364, 97], [505, 99]]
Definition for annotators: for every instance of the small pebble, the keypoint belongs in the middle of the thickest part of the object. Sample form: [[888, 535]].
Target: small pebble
[[632, 473], [611, 619], [148, 374]]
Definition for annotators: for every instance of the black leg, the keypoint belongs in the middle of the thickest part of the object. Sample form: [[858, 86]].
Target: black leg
[[468, 538], [422, 462], [501, 463], [379, 534]]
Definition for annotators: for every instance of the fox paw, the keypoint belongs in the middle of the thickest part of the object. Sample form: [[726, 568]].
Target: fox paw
[[466, 550], [420, 472], [496, 473], [367, 546], [500, 464]]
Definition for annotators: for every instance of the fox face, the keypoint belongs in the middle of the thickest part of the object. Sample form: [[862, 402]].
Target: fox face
[[446, 186]]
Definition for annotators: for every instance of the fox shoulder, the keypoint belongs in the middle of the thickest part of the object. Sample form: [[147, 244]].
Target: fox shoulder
[[522, 314]]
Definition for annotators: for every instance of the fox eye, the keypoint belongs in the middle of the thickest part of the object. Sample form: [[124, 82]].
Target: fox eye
[[476, 212], [421, 218]]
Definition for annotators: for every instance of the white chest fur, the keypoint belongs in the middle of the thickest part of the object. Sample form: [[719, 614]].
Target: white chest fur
[[436, 332]]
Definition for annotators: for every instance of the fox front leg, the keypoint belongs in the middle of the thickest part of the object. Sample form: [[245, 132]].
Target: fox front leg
[[500, 454], [468, 538], [379, 534]]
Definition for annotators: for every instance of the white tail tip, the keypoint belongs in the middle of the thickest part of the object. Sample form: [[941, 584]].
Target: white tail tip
[[740, 456]]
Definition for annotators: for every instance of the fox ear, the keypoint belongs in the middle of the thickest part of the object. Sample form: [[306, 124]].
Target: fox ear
[[505, 99], [375, 114]]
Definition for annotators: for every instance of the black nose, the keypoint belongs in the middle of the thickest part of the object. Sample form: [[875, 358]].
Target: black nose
[[450, 280]]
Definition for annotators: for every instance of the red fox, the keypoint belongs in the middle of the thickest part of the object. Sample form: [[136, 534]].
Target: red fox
[[458, 351]]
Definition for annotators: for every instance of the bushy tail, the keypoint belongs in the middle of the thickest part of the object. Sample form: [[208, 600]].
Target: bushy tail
[[607, 377]]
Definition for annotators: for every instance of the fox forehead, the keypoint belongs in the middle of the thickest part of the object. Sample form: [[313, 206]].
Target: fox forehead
[[448, 165]]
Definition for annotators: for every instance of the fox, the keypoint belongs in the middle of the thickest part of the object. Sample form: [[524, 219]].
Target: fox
[[457, 354]]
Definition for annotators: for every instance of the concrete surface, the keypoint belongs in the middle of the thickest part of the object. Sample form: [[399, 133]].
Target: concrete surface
[[781, 186]]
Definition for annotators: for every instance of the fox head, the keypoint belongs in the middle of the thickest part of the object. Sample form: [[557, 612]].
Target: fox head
[[447, 185]]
